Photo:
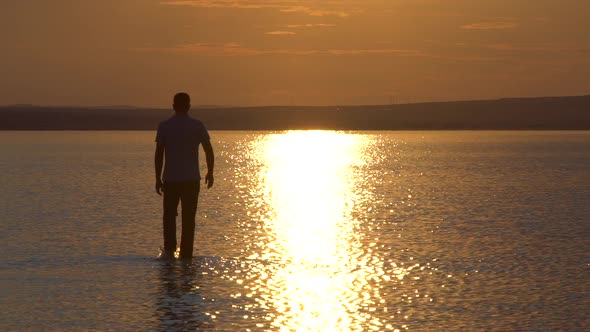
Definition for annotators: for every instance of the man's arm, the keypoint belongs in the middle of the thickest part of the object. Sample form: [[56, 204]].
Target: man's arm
[[210, 162], [158, 163]]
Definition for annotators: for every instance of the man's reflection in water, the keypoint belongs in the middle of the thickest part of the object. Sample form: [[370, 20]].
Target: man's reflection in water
[[179, 305]]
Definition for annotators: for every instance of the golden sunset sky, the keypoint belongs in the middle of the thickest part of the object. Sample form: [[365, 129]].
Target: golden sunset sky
[[290, 52]]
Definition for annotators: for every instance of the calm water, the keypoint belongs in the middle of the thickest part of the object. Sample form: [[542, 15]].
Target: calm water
[[306, 231]]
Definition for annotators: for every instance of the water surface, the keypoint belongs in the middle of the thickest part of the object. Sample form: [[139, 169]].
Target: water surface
[[304, 230]]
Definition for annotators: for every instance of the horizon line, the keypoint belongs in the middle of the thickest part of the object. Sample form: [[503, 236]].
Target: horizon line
[[213, 106]]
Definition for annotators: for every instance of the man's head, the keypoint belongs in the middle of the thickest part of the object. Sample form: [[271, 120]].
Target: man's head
[[182, 102]]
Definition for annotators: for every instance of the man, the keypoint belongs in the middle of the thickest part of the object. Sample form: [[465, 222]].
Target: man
[[178, 141]]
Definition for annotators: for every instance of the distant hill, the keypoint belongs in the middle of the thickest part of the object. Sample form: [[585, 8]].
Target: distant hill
[[547, 113]]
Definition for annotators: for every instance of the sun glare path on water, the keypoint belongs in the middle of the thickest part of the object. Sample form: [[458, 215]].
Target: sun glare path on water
[[322, 278]]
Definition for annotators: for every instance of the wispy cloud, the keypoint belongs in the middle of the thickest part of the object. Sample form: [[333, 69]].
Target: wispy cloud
[[246, 4], [546, 48], [238, 50], [309, 7], [489, 26], [280, 33], [234, 49], [320, 12], [309, 25], [206, 49]]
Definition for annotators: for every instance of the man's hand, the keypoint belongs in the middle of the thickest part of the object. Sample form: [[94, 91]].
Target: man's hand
[[210, 162], [159, 187], [158, 163], [209, 180]]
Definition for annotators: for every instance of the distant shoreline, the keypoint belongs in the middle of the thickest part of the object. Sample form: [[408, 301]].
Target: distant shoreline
[[545, 113], [301, 129]]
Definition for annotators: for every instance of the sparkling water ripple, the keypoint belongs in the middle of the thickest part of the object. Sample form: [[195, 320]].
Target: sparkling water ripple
[[304, 230]]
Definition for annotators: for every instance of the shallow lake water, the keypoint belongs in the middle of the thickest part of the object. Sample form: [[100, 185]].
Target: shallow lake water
[[303, 231]]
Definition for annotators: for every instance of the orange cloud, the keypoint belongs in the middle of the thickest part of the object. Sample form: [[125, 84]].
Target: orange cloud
[[490, 26], [280, 33], [227, 3], [308, 7], [318, 12], [234, 49], [319, 25], [548, 47]]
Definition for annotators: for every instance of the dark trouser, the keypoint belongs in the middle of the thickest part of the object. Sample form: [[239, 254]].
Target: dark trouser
[[188, 194]]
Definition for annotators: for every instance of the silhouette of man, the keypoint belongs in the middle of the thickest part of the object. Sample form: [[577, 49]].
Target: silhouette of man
[[177, 141]]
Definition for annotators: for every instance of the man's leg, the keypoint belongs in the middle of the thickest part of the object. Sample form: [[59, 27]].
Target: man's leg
[[189, 199], [171, 198]]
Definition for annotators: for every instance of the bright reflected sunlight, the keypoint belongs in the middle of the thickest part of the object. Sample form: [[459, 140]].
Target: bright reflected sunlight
[[324, 279]]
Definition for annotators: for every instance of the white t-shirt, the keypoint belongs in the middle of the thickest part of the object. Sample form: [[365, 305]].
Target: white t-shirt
[[181, 136]]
